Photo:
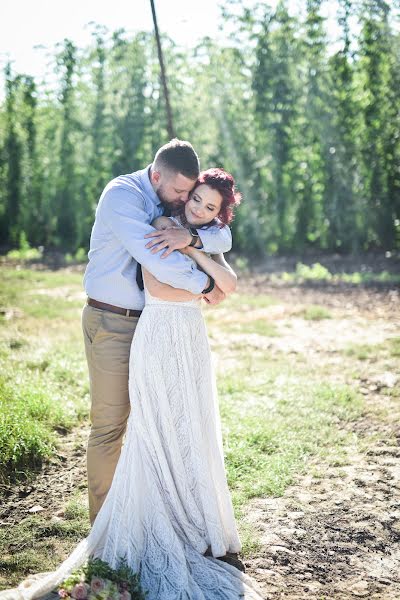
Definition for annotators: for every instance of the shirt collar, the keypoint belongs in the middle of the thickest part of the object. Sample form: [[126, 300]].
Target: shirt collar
[[144, 177]]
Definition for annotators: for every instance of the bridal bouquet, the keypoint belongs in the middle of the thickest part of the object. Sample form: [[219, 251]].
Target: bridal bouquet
[[98, 581]]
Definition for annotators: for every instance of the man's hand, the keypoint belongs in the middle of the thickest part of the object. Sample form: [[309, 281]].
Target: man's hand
[[215, 296], [171, 239]]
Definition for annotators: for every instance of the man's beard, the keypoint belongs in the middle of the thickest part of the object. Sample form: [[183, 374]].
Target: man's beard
[[161, 194], [171, 207]]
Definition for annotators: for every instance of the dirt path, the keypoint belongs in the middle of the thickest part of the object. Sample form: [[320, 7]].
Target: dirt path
[[331, 536]]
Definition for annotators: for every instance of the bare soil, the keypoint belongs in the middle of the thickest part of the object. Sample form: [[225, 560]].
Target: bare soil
[[52, 487], [337, 534]]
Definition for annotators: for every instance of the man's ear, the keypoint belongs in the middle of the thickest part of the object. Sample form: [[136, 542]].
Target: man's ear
[[155, 177]]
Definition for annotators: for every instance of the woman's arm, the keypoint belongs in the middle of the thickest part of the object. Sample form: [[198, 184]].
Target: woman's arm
[[165, 291], [217, 267], [163, 223]]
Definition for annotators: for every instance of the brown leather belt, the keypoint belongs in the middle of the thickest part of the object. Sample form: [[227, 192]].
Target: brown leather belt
[[127, 312]]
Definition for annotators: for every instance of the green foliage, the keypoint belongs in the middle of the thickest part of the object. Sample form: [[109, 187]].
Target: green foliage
[[122, 574], [113, 580], [80, 256], [311, 133], [24, 252], [316, 272]]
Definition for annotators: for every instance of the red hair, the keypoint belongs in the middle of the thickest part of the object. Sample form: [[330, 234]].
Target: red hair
[[222, 182]]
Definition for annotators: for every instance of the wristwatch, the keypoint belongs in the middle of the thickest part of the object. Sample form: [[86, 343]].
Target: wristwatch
[[195, 236], [209, 289]]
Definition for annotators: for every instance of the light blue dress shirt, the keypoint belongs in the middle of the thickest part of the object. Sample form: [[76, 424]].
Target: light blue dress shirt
[[126, 208]]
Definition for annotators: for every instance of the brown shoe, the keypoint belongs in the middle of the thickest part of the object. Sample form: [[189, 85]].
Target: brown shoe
[[232, 559]]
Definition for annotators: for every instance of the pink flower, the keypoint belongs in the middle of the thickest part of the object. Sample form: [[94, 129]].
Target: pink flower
[[125, 595], [80, 591], [63, 593], [97, 584]]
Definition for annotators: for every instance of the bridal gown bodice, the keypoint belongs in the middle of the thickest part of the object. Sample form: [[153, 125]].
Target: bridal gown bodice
[[151, 301], [169, 501]]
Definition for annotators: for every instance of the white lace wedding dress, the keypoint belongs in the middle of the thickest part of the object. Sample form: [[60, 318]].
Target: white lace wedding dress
[[169, 500]]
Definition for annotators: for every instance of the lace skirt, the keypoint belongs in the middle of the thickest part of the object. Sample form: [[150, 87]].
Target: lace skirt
[[169, 501]]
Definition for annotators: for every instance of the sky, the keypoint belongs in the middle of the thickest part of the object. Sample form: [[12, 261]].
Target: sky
[[25, 24], [29, 27]]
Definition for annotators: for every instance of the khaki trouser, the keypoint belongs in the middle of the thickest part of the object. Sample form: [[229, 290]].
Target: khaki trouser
[[108, 338]]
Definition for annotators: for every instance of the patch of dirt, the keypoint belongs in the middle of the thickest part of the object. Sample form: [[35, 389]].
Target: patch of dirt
[[50, 491], [337, 536]]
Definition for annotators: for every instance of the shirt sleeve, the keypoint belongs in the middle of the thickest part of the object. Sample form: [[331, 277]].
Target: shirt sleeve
[[123, 212], [216, 240]]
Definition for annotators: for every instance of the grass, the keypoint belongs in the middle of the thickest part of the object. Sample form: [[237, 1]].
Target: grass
[[315, 313], [360, 351], [243, 302], [37, 542], [318, 273], [242, 314], [27, 416], [278, 410], [259, 326], [43, 382], [390, 348], [394, 346], [273, 427]]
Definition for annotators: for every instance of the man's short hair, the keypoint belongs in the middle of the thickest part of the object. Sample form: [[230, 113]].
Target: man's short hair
[[178, 156]]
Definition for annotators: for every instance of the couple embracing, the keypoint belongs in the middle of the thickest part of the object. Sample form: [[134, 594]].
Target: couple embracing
[[161, 499]]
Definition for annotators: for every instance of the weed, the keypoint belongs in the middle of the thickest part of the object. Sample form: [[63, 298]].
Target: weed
[[315, 313]]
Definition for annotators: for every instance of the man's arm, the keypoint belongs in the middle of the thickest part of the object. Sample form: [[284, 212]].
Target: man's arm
[[214, 240], [123, 212]]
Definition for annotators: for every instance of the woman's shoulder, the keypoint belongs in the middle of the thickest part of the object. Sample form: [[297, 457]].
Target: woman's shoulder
[[163, 223], [176, 221]]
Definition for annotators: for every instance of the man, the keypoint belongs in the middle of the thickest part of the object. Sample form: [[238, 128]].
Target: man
[[118, 244]]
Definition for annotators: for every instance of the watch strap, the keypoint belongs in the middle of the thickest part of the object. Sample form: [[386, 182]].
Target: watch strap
[[211, 286], [195, 236]]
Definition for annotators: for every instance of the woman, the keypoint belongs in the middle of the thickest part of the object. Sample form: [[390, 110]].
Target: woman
[[169, 510]]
